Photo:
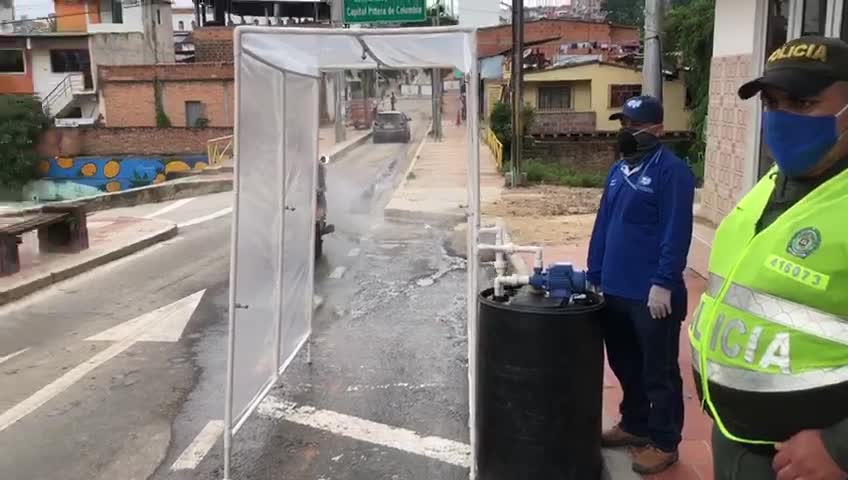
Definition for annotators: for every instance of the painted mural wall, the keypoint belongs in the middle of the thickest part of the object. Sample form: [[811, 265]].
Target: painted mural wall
[[65, 178]]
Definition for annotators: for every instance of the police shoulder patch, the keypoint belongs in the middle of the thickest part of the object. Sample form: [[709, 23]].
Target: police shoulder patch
[[804, 242]]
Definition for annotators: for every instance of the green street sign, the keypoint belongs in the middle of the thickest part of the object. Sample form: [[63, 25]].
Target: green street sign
[[384, 11]]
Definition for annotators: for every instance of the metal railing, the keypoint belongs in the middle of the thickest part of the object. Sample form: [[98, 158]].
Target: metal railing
[[219, 150], [62, 94], [495, 146]]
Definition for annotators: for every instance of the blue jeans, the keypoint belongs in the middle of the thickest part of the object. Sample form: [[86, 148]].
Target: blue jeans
[[643, 354]]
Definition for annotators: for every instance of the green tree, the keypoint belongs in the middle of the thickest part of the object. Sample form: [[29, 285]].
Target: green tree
[[500, 121], [626, 12], [689, 32], [22, 121]]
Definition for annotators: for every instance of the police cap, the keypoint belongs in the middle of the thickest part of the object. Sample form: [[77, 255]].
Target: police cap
[[802, 67]]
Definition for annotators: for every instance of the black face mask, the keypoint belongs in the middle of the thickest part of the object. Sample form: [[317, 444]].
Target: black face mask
[[632, 142]]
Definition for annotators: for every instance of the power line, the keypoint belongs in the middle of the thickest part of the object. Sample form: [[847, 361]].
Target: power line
[[52, 17]]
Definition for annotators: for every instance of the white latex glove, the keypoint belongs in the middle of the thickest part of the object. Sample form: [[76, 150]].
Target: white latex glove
[[659, 302]]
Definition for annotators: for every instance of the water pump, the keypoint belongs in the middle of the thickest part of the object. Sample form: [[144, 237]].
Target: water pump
[[560, 280]]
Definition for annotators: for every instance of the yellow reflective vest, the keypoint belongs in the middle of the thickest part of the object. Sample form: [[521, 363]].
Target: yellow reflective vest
[[770, 336]]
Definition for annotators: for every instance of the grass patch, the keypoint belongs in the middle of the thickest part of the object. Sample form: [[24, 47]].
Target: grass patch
[[555, 174]]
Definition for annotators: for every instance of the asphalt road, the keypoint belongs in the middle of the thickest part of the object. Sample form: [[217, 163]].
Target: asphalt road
[[384, 397]]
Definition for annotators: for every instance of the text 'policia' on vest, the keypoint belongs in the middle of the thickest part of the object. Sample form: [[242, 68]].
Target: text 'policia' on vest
[[770, 337], [761, 332]]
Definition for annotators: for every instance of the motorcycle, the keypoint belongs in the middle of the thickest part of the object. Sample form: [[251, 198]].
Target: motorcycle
[[321, 226]]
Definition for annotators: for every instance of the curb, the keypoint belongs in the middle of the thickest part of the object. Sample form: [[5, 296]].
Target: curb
[[339, 153], [417, 216], [150, 194], [414, 159], [35, 284]]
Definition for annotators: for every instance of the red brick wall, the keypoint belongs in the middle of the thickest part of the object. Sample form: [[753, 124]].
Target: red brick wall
[[69, 142], [173, 71], [128, 93], [492, 40], [213, 44]]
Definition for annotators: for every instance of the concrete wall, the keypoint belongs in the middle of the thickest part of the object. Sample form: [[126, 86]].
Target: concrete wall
[[731, 143], [601, 77], [592, 156], [158, 31]]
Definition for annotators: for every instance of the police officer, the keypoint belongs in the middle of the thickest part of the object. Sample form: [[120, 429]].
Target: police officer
[[637, 255], [770, 336]]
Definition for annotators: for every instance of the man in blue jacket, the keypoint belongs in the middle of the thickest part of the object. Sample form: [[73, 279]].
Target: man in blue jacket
[[636, 258]]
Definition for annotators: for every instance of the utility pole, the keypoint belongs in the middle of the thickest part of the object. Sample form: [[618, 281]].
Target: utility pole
[[436, 88], [652, 65], [336, 18], [517, 78]]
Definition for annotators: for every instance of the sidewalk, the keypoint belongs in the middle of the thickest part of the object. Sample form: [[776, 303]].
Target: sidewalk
[[436, 186], [327, 140], [110, 238], [695, 453]]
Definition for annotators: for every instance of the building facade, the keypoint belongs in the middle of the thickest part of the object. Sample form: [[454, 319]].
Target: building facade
[[61, 66], [746, 32]]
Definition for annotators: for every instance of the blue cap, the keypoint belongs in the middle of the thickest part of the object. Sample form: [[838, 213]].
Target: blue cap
[[642, 109]]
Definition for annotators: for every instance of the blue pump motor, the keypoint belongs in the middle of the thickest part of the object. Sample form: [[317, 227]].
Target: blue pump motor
[[560, 280]]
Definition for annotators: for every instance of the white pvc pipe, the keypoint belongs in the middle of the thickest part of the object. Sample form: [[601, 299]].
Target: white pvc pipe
[[500, 258], [510, 281], [511, 248]]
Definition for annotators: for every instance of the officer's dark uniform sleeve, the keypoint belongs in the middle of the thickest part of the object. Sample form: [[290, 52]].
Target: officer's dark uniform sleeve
[[836, 442]]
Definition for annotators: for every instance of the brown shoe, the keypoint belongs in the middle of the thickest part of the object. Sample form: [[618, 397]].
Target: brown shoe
[[618, 437], [651, 460]]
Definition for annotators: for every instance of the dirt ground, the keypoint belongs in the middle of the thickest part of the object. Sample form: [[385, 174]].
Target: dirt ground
[[547, 215]]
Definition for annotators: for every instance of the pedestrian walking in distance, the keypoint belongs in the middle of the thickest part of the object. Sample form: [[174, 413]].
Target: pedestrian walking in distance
[[393, 100], [772, 327], [637, 256]]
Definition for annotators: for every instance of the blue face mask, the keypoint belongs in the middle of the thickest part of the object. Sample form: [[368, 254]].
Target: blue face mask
[[799, 142]]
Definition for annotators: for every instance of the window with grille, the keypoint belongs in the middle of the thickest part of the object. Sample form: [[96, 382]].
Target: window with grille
[[554, 98], [620, 93]]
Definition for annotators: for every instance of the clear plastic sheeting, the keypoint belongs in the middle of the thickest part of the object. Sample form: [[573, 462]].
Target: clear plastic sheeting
[[276, 161], [258, 278], [301, 148]]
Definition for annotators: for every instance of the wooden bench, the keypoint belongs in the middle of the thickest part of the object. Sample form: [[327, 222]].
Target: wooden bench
[[61, 229]]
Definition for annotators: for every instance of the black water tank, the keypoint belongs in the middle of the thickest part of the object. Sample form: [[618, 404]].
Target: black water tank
[[539, 388]]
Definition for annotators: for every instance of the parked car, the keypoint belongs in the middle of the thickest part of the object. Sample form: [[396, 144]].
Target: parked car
[[391, 127], [321, 226]]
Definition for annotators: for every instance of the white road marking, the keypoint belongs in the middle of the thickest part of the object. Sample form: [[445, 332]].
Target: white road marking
[[205, 218], [165, 324], [317, 301], [405, 386], [143, 328], [448, 451], [173, 206], [12, 355], [354, 252], [199, 447], [338, 273]]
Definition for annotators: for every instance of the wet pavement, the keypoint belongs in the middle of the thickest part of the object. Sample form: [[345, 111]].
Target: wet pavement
[[389, 347], [385, 396]]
